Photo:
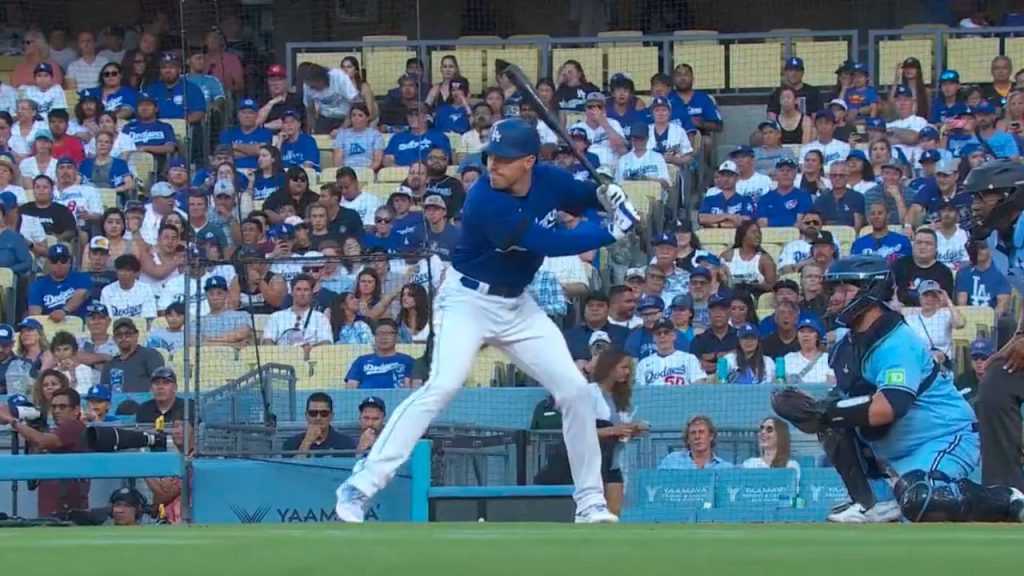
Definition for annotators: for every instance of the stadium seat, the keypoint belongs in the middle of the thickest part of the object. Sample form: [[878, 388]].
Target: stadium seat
[[71, 324], [1014, 48], [843, 235], [327, 59], [717, 236], [72, 99], [314, 177], [143, 165], [971, 56], [646, 195], [327, 159], [179, 127], [820, 59], [393, 174], [893, 52], [273, 354], [591, 59], [779, 234], [108, 196], [8, 294], [471, 66], [380, 189], [707, 57], [754, 65], [637, 62], [261, 322], [323, 141], [980, 322], [487, 362], [526, 56], [385, 65], [766, 301]]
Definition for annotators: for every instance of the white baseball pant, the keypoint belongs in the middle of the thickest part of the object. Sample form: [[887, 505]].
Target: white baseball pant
[[466, 319]]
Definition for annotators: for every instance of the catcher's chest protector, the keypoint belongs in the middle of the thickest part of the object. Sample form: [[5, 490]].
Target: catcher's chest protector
[[848, 359]]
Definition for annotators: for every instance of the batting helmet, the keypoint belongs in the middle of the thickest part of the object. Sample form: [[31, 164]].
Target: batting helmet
[[869, 273], [1002, 176], [513, 138]]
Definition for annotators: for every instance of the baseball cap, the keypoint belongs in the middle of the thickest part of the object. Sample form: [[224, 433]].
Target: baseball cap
[[746, 330], [134, 205], [930, 156], [969, 149], [43, 67], [169, 58], [929, 132], [946, 166], [281, 231], [741, 151], [911, 62], [825, 237], [960, 109], [223, 188], [594, 98], [773, 124], [30, 324], [875, 123], [984, 107], [43, 134], [661, 101], [809, 323], [434, 200], [719, 300], [276, 71], [665, 239], [177, 162], [893, 163], [248, 104], [794, 63], [700, 272], [294, 221], [459, 83], [838, 102], [97, 308], [6, 334], [145, 97], [66, 161], [709, 258], [599, 336], [125, 323], [649, 302], [164, 372], [402, 190], [58, 252], [927, 286], [292, 113], [639, 130], [728, 166], [846, 66], [904, 91], [98, 392], [662, 324], [859, 67], [215, 283], [786, 163], [635, 273], [372, 402], [9, 201], [858, 154], [513, 138], [982, 348], [825, 113], [682, 302], [949, 76], [786, 283], [578, 133], [99, 244]]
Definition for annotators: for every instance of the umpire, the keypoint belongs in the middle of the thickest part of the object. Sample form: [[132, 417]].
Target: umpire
[[997, 191]]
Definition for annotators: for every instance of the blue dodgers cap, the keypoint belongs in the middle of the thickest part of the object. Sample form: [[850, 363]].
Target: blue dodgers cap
[[741, 151], [177, 162], [930, 132], [718, 300], [661, 101], [929, 156], [30, 324], [248, 104], [746, 330], [650, 302], [859, 67], [682, 302], [43, 67], [701, 272], [9, 200], [513, 138], [169, 58], [98, 392], [145, 97], [810, 324], [215, 283], [857, 154], [786, 163], [949, 76], [639, 130], [6, 334], [968, 149], [984, 107], [826, 114], [291, 113], [281, 231], [709, 258], [904, 91], [773, 124], [960, 109], [875, 123], [665, 239], [794, 63], [208, 237], [58, 252], [982, 348], [96, 308], [66, 161]]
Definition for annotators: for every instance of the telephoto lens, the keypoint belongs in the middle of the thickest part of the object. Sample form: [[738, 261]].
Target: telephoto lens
[[106, 439]]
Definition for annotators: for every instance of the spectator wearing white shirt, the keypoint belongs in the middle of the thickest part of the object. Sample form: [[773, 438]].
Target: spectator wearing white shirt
[[84, 73], [25, 128], [830, 148], [123, 145], [935, 321], [328, 95], [128, 297], [666, 137], [41, 161], [113, 45], [81, 199], [906, 129], [47, 94], [668, 366], [809, 364], [774, 445], [607, 140], [61, 50], [64, 349], [951, 240], [749, 182], [161, 205], [748, 364], [8, 99], [30, 227], [353, 198], [300, 324], [642, 163]]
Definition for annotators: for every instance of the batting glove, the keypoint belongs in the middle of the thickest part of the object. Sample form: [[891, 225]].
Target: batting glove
[[624, 220], [611, 197]]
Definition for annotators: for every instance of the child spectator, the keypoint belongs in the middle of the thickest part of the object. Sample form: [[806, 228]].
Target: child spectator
[[64, 349], [642, 163], [98, 396], [46, 93], [172, 337], [128, 297], [861, 98]]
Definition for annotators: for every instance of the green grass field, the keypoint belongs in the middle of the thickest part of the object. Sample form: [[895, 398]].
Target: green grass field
[[518, 550]]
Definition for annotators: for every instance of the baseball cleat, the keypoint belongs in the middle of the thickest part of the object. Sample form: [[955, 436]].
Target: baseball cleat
[[1016, 505], [352, 504], [853, 513], [883, 512], [596, 514]]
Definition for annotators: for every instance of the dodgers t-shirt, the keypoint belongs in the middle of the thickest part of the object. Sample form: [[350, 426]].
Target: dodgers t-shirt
[[407, 147], [982, 287], [51, 295], [374, 371], [236, 135]]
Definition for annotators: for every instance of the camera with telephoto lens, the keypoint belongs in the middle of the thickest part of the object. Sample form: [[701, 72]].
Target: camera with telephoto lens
[[21, 408], [106, 439]]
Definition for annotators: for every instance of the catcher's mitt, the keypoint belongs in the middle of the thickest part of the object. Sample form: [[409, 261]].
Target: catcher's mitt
[[803, 411]]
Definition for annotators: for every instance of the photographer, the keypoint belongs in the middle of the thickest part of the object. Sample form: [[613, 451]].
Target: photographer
[[67, 437], [127, 506]]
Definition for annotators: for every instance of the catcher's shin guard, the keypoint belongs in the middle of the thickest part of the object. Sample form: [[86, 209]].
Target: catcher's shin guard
[[841, 449], [934, 497]]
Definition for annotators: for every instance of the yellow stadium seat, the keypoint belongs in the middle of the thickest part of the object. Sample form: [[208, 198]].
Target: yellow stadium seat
[[893, 52], [779, 235], [261, 322], [385, 65], [381, 190], [8, 281], [765, 312], [773, 249], [413, 350], [527, 57], [327, 159], [330, 364], [71, 324], [820, 59], [273, 354], [971, 56], [143, 165], [216, 355], [766, 301], [591, 59], [980, 321], [717, 236], [843, 235], [392, 174], [753, 65], [324, 141], [716, 248], [108, 196], [72, 99], [452, 171], [179, 126], [707, 57], [326, 59], [9, 63], [644, 194], [1014, 49], [314, 177], [637, 62], [487, 360], [471, 66], [572, 117], [5, 76]]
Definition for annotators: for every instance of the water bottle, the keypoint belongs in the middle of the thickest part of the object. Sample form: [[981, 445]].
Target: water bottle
[[722, 371], [780, 370], [19, 378]]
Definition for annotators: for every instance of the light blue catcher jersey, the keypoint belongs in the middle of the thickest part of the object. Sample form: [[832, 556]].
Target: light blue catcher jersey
[[900, 360]]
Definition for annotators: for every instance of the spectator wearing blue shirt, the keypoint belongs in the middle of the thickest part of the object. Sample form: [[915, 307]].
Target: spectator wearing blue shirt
[[175, 96], [63, 291], [960, 129], [640, 341], [269, 176], [785, 290], [223, 160], [926, 204], [727, 209], [861, 99], [786, 204], [150, 134], [411, 146], [661, 92], [881, 241], [116, 97], [14, 253], [623, 105], [385, 367], [947, 98], [925, 170], [595, 320], [441, 236], [98, 397], [699, 439], [841, 206], [702, 109], [319, 434], [981, 283], [246, 138], [998, 143], [104, 170], [383, 233], [213, 89], [454, 116], [297, 147]]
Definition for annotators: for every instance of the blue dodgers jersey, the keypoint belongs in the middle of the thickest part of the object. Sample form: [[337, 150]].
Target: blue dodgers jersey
[[172, 101], [51, 295], [982, 287], [504, 238], [891, 246], [123, 97], [407, 147], [301, 151], [901, 360], [781, 210], [155, 133], [373, 371], [235, 135]]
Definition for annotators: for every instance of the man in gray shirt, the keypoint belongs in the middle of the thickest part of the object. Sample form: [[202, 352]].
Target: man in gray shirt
[[130, 370], [221, 326]]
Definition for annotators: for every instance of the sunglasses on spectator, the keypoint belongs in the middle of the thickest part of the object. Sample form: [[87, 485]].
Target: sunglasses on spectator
[[111, 74], [382, 220], [318, 413], [124, 334]]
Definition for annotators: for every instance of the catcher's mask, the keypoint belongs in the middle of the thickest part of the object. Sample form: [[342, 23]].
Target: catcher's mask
[[871, 277], [997, 197]]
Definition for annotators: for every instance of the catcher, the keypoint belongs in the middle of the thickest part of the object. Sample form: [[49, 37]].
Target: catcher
[[894, 414]]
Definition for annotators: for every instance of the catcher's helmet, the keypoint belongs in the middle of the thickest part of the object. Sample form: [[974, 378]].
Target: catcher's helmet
[[1003, 177], [870, 274]]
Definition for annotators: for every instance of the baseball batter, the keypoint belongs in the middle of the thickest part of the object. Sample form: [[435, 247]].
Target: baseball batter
[[508, 228]]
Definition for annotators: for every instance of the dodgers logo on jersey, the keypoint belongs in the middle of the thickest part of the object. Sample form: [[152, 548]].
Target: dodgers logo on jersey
[[790, 204]]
